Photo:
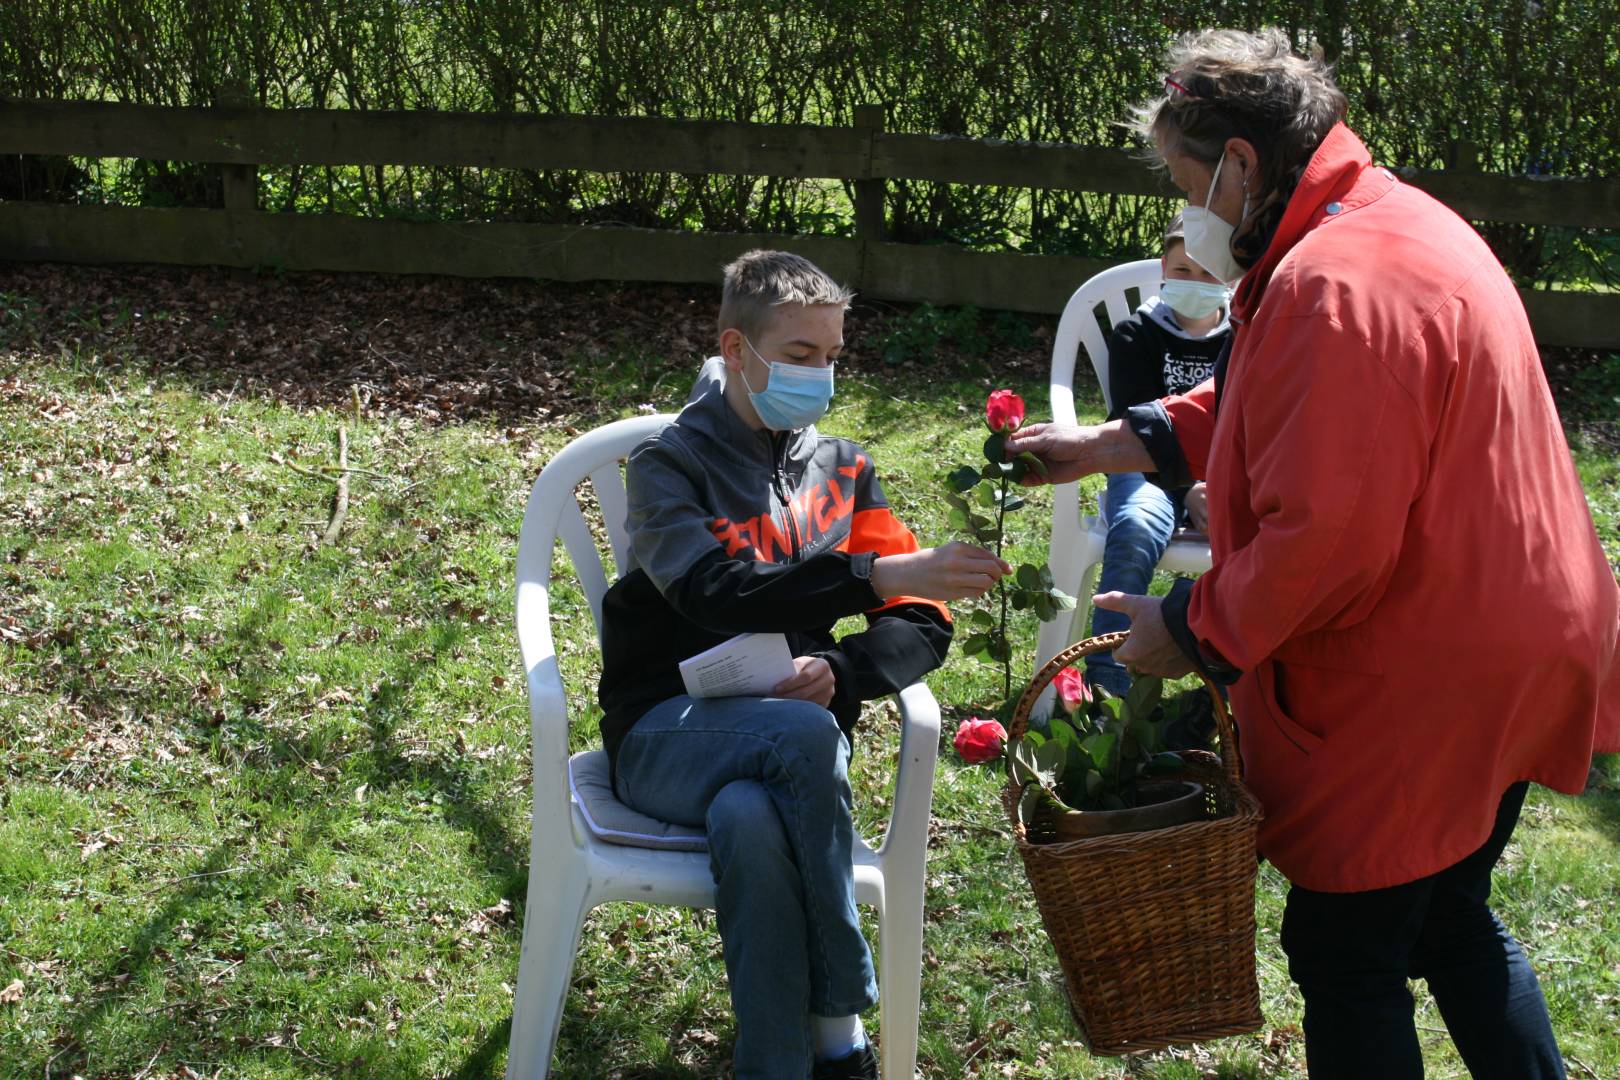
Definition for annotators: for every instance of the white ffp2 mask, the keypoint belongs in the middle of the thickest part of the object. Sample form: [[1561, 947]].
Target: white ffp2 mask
[[1208, 238]]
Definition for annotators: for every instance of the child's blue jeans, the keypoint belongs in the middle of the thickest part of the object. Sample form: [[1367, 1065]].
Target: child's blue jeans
[[1141, 516], [768, 778]]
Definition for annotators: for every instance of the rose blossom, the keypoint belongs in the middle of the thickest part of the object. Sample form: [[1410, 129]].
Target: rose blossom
[[1004, 411], [1072, 689], [980, 740]]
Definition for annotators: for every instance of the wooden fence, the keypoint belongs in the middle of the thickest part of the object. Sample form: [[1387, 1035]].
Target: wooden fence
[[241, 235]]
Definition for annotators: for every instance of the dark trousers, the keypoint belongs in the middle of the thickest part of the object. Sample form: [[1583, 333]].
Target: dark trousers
[[1352, 953]]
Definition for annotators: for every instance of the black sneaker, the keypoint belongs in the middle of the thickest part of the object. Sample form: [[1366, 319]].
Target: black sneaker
[[857, 1065]]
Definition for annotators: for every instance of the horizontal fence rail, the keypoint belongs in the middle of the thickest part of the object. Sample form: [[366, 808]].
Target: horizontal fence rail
[[240, 235]]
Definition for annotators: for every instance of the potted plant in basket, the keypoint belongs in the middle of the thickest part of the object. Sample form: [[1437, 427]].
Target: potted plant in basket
[[1099, 765], [1103, 769]]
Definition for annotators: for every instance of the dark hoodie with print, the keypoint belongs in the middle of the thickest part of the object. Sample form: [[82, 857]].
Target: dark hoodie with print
[[736, 531]]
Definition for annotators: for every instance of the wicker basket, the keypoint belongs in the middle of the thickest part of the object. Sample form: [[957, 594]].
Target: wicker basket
[[1154, 930]]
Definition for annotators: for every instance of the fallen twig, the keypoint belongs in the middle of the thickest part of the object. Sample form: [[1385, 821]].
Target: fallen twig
[[340, 508], [194, 877]]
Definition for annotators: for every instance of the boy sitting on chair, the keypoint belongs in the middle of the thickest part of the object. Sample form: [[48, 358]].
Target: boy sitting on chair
[[1168, 346], [743, 519]]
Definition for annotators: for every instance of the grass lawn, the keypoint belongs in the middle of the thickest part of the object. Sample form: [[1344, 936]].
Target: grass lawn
[[265, 800]]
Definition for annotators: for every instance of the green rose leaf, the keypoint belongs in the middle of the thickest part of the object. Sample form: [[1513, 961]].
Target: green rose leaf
[[962, 479], [1100, 749], [1021, 599], [1029, 577], [982, 618], [1030, 801], [995, 448], [975, 644], [1060, 599], [1021, 763], [1144, 695], [987, 495], [1049, 761], [1094, 783], [1011, 502], [1165, 762]]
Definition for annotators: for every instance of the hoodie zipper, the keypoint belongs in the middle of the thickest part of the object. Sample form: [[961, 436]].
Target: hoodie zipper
[[780, 479]]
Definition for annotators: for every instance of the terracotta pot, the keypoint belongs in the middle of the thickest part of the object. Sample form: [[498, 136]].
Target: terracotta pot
[[1165, 803]]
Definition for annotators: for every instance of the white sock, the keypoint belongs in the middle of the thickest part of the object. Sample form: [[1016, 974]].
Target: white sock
[[837, 1036]]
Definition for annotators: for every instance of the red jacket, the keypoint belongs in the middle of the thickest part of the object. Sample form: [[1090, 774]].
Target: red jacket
[[1405, 567]]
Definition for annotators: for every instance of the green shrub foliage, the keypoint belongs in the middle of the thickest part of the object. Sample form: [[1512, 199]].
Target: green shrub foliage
[[1529, 85]]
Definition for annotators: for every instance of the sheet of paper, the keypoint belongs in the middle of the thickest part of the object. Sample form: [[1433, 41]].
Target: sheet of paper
[[747, 665]]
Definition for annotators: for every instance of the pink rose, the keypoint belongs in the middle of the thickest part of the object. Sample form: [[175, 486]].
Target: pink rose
[[980, 740], [1004, 411], [1072, 689]]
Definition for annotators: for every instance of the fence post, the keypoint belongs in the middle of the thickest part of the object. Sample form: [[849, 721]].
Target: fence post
[[240, 183], [1463, 156], [869, 120]]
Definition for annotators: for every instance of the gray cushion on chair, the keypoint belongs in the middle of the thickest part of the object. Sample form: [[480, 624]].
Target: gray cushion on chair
[[615, 823]]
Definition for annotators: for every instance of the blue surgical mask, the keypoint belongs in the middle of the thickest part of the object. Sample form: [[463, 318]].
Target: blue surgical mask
[[1193, 299], [795, 397]]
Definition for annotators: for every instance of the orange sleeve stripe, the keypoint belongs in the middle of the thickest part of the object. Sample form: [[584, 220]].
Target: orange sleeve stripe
[[880, 531]]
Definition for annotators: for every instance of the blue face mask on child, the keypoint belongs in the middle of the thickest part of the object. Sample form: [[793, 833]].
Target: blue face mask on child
[[1193, 299], [795, 397]]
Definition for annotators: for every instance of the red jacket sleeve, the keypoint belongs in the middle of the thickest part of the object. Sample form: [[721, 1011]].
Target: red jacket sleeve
[[1192, 419], [1335, 451]]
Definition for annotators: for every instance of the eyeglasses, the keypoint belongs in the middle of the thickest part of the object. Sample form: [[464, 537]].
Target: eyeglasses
[[1170, 83]]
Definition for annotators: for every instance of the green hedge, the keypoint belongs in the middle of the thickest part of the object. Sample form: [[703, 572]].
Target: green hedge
[[1531, 84]]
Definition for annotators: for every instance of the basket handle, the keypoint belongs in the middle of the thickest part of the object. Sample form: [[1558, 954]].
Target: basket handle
[[1107, 643]]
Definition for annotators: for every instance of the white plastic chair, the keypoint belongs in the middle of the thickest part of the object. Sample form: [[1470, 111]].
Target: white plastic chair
[[572, 870], [1077, 542]]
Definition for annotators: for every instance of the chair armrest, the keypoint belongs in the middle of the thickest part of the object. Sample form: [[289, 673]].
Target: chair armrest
[[914, 775]]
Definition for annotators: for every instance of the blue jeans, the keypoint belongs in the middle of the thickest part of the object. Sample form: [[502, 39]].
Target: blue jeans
[[1352, 953], [1141, 516], [768, 778]]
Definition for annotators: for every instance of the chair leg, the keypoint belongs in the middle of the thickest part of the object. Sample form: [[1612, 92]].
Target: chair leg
[[900, 983], [554, 917]]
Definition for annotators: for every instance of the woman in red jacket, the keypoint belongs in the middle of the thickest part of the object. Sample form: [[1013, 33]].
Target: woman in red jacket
[[1408, 595]]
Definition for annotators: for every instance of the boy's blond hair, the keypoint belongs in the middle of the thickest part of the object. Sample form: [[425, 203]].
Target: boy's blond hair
[[761, 280]]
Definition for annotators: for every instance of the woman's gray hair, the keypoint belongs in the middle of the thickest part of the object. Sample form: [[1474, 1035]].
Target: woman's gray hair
[[1224, 84]]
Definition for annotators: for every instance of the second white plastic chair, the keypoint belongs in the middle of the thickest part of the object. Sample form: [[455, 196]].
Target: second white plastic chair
[[1077, 542]]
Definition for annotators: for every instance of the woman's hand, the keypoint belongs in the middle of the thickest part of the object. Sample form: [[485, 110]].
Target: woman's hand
[[1149, 649], [1070, 452], [812, 680], [952, 571], [1197, 504]]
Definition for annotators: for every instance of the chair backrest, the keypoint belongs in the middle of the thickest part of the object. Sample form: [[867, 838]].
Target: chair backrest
[[554, 513], [1079, 327]]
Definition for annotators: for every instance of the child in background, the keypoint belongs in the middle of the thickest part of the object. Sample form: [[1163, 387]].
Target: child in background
[[1168, 346]]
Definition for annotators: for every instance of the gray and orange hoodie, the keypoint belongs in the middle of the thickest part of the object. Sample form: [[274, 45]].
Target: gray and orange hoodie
[[736, 531]]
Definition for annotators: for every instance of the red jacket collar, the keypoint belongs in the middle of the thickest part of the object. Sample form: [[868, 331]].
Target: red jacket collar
[[1333, 175]]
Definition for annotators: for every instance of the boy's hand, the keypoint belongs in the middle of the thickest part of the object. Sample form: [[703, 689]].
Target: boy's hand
[[811, 681], [952, 571]]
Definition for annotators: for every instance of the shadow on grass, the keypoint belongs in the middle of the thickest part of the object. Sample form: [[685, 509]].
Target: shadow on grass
[[218, 882]]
